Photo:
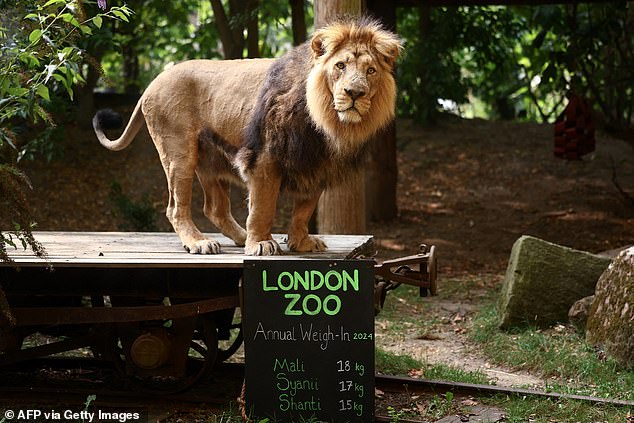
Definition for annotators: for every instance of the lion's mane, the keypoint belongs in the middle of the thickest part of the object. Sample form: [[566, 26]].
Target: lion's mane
[[294, 119]]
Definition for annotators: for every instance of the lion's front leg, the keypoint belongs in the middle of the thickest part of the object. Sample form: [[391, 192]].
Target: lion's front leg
[[264, 188], [298, 237]]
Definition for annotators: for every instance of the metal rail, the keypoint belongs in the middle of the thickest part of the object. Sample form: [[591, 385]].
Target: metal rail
[[232, 374], [402, 384]]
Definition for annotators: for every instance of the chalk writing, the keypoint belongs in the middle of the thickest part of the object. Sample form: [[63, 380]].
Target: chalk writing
[[309, 340]]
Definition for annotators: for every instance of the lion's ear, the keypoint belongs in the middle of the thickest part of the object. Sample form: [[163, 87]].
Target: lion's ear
[[390, 47], [326, 39], [317, 45]]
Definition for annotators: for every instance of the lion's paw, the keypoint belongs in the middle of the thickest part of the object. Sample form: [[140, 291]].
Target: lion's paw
[[309, 243], [262, 248], [203, 246]]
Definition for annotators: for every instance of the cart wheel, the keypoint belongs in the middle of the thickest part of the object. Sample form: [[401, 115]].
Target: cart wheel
[[228, 347], [11, 341], [132, 362]]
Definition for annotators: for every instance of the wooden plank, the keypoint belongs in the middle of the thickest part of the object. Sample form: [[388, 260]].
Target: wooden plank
[[162, 249]]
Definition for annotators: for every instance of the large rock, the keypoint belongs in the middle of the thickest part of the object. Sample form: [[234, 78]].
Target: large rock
[[611, 320], [543, 280]]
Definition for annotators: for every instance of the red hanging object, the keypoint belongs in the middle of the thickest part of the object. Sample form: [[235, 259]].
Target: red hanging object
[[574, 130]]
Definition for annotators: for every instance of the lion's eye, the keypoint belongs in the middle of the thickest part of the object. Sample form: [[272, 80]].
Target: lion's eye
[[371, 71], [341, 65]]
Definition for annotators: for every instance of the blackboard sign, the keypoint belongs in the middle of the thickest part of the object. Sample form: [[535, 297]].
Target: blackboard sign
[[309, 340]]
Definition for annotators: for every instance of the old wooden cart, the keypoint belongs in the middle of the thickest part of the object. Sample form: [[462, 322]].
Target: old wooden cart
[[161, 316]]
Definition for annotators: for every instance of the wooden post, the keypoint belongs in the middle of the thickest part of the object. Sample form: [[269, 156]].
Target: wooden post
[[341, 210], [382, 170]]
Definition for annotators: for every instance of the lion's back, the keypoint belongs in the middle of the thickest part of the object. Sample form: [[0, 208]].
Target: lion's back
[[216, 94]]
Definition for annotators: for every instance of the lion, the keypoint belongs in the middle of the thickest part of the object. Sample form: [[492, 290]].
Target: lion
[[300, 123]]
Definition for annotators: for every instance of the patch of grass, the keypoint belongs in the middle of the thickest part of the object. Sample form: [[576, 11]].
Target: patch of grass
[[559, 354], [394, 364], [469, 288], [402, 305], [454, 374], [521, 409]]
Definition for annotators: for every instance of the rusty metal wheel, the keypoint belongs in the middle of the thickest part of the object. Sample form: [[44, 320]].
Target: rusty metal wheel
[[165, 357], [228, 347]]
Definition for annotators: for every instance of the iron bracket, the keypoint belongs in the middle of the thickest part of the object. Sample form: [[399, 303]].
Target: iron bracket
[[419, 270]]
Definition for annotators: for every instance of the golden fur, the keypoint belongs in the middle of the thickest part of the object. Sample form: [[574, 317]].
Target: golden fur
[[305, 130]]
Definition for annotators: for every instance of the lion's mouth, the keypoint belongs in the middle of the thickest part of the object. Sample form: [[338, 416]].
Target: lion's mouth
[[351, 114]]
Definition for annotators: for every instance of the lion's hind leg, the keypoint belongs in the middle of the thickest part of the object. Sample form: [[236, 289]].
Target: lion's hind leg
[[179, 170], [179, 214], [217, 207]]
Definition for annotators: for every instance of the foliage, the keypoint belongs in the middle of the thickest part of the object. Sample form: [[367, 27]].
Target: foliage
[[453, 51], [508, 62], [40, 54], [169, 32], [589, 50], [39, 57], [14, 208]]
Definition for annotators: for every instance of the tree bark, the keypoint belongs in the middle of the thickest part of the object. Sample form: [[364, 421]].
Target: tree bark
[[381, 177], [253, 48], [341, 210], [328, 10], [382, 170], [298, 21], [231, 47]]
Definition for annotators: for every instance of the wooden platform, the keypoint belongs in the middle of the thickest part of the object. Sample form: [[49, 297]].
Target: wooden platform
[[163, 249]]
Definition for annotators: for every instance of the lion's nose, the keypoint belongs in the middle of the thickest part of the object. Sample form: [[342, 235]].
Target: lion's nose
[[354, 94]]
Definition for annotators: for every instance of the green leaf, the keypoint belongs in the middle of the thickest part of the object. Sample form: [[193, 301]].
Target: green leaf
[[119, 14], [67, 17], [42, 91], [35, 36], [97, 20], [50, 2], [18, 91], [59, 78]]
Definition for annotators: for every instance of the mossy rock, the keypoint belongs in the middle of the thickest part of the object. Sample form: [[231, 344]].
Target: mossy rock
[[543, 280], [611, 320]]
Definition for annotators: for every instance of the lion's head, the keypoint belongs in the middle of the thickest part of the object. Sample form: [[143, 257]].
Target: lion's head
[[350, 91]]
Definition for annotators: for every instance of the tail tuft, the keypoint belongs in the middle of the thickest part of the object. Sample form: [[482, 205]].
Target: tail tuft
[[107, 119]]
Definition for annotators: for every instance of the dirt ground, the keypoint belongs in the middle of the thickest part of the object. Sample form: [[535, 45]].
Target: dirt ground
[[470, 187]]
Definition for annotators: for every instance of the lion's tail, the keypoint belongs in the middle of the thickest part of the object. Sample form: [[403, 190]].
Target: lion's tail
[[107, 119]]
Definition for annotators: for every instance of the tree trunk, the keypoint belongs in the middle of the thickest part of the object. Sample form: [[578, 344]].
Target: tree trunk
[[382, 169], [381, 177], [86, 97], [341, 210], [231, 45], [131, 68], [328, 10], [253, 48], [298, 21]]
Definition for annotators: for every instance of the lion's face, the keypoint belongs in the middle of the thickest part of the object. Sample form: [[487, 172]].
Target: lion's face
[[350, 91], [352, 79]]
